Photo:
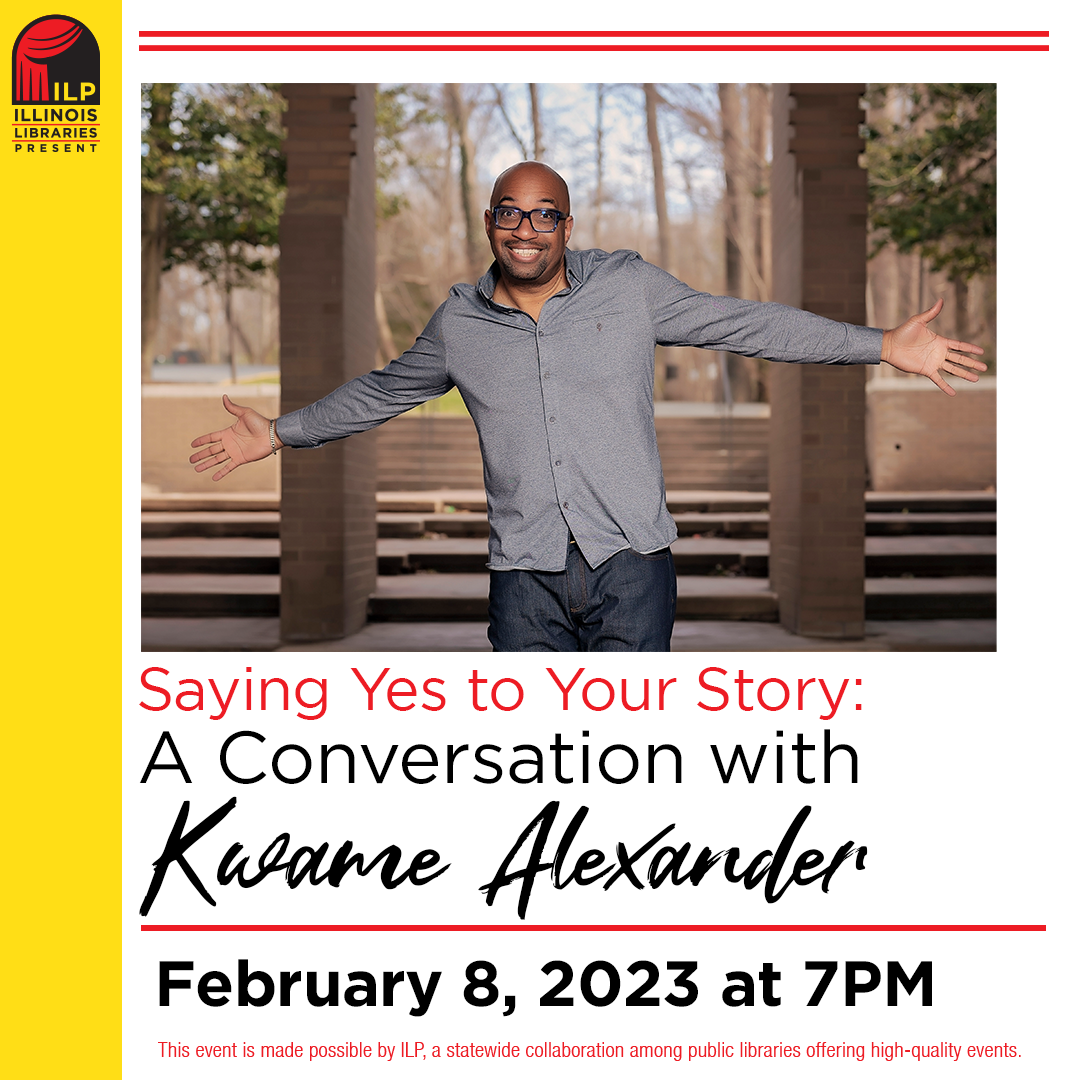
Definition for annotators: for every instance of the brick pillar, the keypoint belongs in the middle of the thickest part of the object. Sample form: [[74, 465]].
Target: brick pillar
[[328, 560], [817, 447]]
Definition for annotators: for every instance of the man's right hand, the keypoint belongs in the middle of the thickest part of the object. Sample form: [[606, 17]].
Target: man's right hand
[[247, 440]]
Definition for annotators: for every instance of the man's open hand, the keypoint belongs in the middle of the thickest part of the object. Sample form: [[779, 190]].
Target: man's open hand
[[247, 440], [915, 348]]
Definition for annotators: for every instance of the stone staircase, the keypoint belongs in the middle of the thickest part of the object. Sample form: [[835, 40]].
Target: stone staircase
[[929, 555]]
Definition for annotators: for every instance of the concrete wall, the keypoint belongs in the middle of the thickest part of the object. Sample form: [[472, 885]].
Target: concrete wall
[[173, 415], [919, 439]]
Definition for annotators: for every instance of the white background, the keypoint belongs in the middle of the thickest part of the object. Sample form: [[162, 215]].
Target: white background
[[963, 795]]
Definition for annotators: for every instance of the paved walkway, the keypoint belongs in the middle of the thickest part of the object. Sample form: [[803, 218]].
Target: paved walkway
[[692, 635]]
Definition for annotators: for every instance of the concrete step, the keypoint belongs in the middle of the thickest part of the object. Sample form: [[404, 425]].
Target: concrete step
[[443, 500], [711, 501], [399, 526], [404, 526], [931, 598], [454, 596], [464, 596], [679, 501], [211, 594], [426, 597], [931, 502], [885, 555], [158, 524], [241, 501], [931, 556], [726, 598], [917, 523], [211, 555]]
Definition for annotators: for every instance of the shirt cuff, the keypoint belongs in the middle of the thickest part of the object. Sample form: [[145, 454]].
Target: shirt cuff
[[866, 344], [290, 431]]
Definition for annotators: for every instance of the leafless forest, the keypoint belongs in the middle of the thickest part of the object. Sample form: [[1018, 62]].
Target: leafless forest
[[678, 172]]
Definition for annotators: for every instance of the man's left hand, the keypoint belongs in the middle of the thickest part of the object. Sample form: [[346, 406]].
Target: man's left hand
[[915, 348]]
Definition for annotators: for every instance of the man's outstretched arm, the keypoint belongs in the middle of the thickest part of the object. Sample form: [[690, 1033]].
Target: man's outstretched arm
[[915, 348], [246, 441], [683, 316], [418, 375]]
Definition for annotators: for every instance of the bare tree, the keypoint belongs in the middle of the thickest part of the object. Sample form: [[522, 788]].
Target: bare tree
[[744, 237], [537, 125], [663, 227], [759, 100], [739, 199], [598, 203], [500, 102], [459, 113], [382, 325]]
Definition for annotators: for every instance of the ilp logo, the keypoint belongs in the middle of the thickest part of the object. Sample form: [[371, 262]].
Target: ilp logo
[[56, 69], [56, 59]]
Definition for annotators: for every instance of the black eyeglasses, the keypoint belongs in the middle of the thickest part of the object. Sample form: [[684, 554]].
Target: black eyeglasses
[[509, 217]]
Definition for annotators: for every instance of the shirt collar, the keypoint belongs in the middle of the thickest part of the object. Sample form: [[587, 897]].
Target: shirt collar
[[574, 275]]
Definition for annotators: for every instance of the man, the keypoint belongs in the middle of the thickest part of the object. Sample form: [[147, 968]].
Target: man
[[553, 354]]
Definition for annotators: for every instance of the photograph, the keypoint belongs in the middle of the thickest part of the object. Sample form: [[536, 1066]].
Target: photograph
[[602, 429]]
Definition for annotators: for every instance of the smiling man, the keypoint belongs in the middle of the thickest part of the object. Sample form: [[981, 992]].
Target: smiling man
[[552, 351]]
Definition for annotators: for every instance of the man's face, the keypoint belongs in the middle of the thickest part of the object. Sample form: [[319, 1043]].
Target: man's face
[[524, 255]]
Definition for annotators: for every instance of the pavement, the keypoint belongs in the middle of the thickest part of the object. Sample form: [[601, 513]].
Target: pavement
[[690, 635]]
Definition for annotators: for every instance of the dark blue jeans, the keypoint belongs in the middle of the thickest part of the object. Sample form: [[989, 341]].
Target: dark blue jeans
[[627, 604]]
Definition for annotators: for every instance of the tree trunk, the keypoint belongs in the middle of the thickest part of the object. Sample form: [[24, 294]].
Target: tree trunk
[[960, 312], [537, 125], [744, 276], [501, 102], [459, 118], [741, 380], [666, 368], [382, 324], [598, 205], [153, 255], [230, 335], [663, 228], [153, 226], [760, 100]]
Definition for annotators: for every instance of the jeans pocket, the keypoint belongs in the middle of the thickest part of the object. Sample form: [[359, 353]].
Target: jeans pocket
[[652, 556]]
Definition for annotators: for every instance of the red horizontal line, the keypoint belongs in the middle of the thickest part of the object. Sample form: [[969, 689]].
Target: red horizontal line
[[49, 138], [597, 33], [593, 928], [596, 48], [56, 123]]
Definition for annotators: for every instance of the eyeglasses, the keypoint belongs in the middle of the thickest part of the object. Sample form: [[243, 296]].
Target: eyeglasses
[[509, 217]]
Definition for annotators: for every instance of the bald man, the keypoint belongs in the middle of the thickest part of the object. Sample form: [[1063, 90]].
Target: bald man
[[553, 352]]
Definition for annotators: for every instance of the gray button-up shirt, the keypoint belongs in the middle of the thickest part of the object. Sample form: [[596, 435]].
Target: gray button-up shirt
[[564, 406]]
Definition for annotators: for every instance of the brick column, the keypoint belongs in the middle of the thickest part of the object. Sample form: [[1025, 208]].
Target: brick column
[[817, 447], [327, 337]]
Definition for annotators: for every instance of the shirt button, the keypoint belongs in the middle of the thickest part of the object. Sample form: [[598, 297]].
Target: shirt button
[[558, 462], [547, 374], [566, 506], [540, 333], [551, 419]]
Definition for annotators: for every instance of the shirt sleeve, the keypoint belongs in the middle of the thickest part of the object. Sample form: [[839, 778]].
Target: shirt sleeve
[[418, 375], [683, 316]]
